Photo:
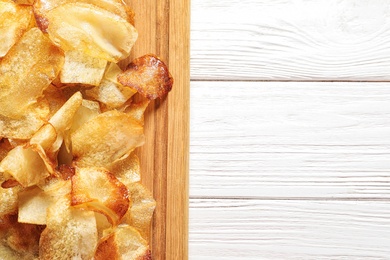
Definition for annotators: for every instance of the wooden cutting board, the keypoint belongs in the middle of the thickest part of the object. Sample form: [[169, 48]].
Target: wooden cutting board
[[163, 28]]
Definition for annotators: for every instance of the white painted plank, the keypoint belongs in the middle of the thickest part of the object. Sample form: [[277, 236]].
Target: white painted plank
[[289, 230], [290, 140], [290, 40]]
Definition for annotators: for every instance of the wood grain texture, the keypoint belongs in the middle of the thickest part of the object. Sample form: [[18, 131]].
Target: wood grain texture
[[290, 140], [289, 230], [163, 28], [290, 40]]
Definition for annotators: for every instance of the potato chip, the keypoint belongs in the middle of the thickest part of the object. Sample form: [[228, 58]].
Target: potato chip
[[92, 30], [124, 243], [110, 92], [34, 202], [137, 110], [142, 208], [25, 165], [14, 21], [9, 201], [149, 76], [98, 190], [82, 68], [26, 71], [127, 170], [18, 238], [69, 234], [105, 139]]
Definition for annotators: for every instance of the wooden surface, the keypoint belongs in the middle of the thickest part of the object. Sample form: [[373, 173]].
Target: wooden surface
[[163, 28], [290, 130]]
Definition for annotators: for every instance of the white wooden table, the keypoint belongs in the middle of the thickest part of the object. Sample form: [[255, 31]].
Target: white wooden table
[[290, 129]]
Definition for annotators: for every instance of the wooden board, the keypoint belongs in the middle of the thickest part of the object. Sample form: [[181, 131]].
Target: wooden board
[[163, 28], [290, 40]]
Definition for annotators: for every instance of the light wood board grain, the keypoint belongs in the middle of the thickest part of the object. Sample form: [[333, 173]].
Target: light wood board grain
[[163, 28], [290, 40], [290, 140], [289, 230]]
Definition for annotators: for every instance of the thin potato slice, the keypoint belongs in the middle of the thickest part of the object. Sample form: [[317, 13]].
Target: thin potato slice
[[34, 202], [123, 244], [110, 92], [127, 170], [98, 190], [81, 68], [105, 139], [141, 212], [26, 71], [92, 30], [69, 234], [9, 201], [18, 239], [14, 21], [137, 110], [25, 165], [149, 76]]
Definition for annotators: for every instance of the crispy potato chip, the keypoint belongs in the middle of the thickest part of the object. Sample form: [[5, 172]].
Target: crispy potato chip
[[141, 212], [98, 190], [92, 30], [44, 137], [18, 238], [14, 21], [137, 110], [110, 92], [81, 68], [102, 224], [9, 200], [26, 71], [25, 165], [34, 202], [124, 243], [127, 170], [105, 139], [69, 234], [149, 76], [25, 126], [87, 111]]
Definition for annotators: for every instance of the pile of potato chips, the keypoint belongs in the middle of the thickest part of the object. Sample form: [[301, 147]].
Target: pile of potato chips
[[69, 125]]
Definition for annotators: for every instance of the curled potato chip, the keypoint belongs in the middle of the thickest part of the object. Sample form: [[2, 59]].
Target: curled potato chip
[[141, 212], [98, 190], [137, 110], [18, 239], [110, 92], [124, 243], [127, 169], [25, 165], [26, 71], [92, 30], [69, 234], [82, 68], [34, 202], [105, 139], [14, 21], [149, 76]]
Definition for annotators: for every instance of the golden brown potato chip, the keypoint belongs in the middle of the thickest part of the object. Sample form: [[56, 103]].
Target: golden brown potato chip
[[81, 68], [25, 165], [137, 110], [26, 71], [124, 243], [142, 208], [34, 202], [9, 201], [25, 126], [105, 139], [110, 92], [149, 76], [69, 234], [14, 21], [92, 30], [127, 170], [18, 238], [98, 190]]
